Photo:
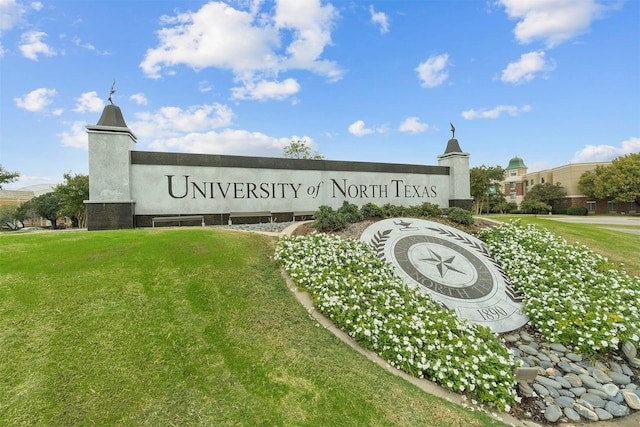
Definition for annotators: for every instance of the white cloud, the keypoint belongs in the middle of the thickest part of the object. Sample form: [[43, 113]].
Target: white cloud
[[32, 45], [228, 141], [552, 21], [76, 137], [381, 19], [11, 13], [358, 128], [204, 86], [248, 43], [432, 72], [265, 90], [139, 98], [495, 113], [89, 102], [36, 100], [174, 121], [413, 125], [526, 68], [601, 153]]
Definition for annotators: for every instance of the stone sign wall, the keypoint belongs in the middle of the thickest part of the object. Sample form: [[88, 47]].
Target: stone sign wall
[[128, 188]]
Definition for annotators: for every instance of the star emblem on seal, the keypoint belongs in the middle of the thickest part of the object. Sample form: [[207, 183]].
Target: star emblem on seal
[[442, 264]]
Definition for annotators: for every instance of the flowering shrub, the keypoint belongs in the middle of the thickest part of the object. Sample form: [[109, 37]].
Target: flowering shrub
[[572, 295], [361, 295]]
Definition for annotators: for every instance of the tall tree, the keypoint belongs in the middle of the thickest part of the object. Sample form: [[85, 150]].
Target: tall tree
[[48, 206], [481, 179], [547, 193], [300, 150], [619, 181], [73, 192], [7, 177]]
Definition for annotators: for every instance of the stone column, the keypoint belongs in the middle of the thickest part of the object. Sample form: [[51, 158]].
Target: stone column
[[110, 205], [459, 178]]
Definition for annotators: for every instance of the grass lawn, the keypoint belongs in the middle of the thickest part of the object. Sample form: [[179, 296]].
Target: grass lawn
[[619, 247], [179, 327]]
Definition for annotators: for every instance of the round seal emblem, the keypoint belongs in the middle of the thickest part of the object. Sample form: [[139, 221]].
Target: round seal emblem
[[455, 268]]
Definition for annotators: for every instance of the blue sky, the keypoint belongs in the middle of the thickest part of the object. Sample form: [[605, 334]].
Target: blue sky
[[550, 81]]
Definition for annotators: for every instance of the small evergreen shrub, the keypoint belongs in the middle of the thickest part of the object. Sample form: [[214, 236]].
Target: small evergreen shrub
[[371, 210], [413, 211], [328, 219], [393, 211], [534, 207], [350, 212], [430, 210], [459, 216], [577, 210]]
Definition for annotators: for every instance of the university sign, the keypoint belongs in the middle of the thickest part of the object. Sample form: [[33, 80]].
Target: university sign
[[128, 188]]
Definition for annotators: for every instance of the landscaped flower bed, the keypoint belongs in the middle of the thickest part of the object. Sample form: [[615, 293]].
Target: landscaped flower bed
[[572, 295], [360, 294]]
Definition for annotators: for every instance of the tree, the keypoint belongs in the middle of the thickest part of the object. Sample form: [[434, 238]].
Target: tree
[[300, 150], [481, 179], [619, 181], [7, 177], [547, 193], [25, 211], [48, 206], [73, 192], [534, 207]]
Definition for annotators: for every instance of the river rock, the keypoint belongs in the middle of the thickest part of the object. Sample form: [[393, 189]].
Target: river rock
[[589, 382], [558, 347], [610, 389], [564, 402], [573, 379], [585, 412], [619, 379], [573, 357], [632, 399], [595, 400], [540, 389], [571, 414], [603, 415], [578, 391], [600, 376], [548, 382], [616, 410], [552, 413]]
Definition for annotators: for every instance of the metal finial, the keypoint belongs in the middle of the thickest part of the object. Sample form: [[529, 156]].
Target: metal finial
[[453, 131], [112, 91]]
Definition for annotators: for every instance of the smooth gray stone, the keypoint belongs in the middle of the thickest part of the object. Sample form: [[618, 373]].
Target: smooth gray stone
[[511, 337], [540, 404], [616, 410], [600, 376], [563, 382], [590, 382], [566, 368], [553, 358], [565, 402], [546, 365], [525, 336], [619, 379], [526, 390], [631, 386], [615, 367], [600, 365], [601, 394], [573, 357], [585, 412], [584, 403], [627, 370], [552, 413], [603, 415], [553, 392], [629, 350], [556, 346], [528, 349], [543, 357], [534, 344], [632, 399], [573, 379], [568, 393], [618, 398], [571, 414], [548, 382], [595, 400], [578, 391], [540, 389], [516, 352], [578, 369], [610, 389]]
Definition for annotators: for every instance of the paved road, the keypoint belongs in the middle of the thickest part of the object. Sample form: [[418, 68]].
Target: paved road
[[610, 220]]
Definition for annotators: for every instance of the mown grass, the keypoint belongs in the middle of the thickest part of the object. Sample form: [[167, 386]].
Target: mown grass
[[620, 247], [179, 327]]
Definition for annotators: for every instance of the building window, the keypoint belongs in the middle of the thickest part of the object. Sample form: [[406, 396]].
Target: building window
[[513, 172], [512, 196], [612, 206], [512, 185], [591, 207], [631, 207], [541, 180], [532, 182]]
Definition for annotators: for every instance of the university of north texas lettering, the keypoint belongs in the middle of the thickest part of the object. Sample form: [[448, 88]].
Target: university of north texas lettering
[[185, 187]]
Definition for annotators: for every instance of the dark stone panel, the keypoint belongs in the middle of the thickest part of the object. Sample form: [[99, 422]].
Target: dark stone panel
[[214, 160], [461, 203], [109, 216]]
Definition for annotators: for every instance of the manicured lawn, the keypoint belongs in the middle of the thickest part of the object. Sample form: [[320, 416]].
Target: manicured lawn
[[619, 247], [179, 327]]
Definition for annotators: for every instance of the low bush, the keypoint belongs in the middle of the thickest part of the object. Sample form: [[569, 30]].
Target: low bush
[[577, 210], [459, 216], [393, 210], [430, 210], [371, 210], [327, 219], [350, 212], [534, 207]]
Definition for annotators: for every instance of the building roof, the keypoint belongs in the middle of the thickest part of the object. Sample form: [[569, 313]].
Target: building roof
[[516, 163]]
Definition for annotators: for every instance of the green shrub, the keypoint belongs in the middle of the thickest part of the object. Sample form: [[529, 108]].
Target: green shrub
[[393, 211], [328, 219], [350, 212], [413, 211], [430, 210], [534, 207], [371, 210], [459, 216], [577, 210]]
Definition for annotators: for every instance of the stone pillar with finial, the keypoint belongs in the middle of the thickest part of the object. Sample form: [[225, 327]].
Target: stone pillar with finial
[[110, 205], [459, 178]]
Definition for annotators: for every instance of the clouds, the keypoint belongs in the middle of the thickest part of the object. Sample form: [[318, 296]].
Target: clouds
[[380, 19], [89, 102], [432, 72], [37, 100], [32, 45], [496, 112], [526, 68], [252, 45], [413, 125], [600, 153]]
